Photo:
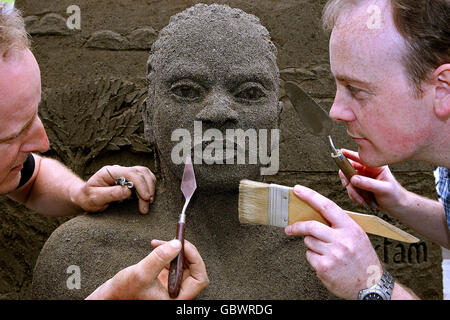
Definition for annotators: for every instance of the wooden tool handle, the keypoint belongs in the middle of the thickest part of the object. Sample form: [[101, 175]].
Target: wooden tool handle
[[177, 265], [301, 211], [348, 170]]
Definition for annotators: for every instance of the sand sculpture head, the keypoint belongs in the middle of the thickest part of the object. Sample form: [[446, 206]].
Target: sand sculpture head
[[214, 66]]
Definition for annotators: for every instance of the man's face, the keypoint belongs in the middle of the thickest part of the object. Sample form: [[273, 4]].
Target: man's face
[[226, 81], [21, 131], [374, 96]]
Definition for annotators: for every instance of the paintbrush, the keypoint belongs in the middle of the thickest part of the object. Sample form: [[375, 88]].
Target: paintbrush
[[276, 205]]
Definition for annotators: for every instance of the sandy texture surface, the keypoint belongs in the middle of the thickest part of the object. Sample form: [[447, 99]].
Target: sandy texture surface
[[100, 70]]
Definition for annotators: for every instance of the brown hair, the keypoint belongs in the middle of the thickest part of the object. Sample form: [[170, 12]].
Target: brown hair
[[12, 31], [425, 25]]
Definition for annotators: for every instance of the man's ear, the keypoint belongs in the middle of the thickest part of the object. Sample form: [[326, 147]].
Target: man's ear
[[442, 92]]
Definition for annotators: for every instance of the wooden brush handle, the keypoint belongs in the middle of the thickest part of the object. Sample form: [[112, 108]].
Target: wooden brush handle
[[177, 265], [301, 211], [348, 170]]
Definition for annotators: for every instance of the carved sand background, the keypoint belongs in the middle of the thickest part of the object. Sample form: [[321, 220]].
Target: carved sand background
[[93, 88]]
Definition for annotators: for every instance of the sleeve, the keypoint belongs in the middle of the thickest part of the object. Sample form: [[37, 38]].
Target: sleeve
[[27, 171]]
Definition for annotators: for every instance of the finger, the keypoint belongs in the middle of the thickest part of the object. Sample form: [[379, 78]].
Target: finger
[[359, 166], [369, 184], [352, 155], [311, 228], [150, 180], [144, 183], [316, 245], [141, 178], [144, 206], [313, 258], [155, 244], [196, 265], [327, 208], [343, 178], [154, 263], [351, 191], [101, 196], [198, 279], [142, 189], [354, 195], [356, 162], [104, 177]]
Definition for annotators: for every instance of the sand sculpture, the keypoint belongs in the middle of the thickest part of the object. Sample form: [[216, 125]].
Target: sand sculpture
[[216, 65]]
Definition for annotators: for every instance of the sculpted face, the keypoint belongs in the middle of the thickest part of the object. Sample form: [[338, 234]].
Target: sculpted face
[[219, 72], [21, 131]]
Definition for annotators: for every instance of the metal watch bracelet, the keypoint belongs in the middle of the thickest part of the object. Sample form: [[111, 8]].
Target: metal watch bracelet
[[381, 291]]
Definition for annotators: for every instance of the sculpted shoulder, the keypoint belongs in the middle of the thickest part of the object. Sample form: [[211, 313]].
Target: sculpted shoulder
[[98, 245]]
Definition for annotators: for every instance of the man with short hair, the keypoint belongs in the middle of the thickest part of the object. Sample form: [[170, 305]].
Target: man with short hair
[[393, 93], [48, 187]]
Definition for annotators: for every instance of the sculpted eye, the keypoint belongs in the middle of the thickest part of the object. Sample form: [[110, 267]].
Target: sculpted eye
[[186, 91], [251, 93]]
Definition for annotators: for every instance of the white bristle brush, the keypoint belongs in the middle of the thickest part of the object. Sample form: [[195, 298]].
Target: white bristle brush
[[276, 205]]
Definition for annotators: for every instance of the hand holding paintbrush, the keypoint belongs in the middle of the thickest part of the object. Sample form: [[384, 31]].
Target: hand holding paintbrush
[[276, 205]]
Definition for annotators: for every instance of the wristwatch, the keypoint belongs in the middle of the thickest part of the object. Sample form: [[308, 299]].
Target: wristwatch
[[381, 291]]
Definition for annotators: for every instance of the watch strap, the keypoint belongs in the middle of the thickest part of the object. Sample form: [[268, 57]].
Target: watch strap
[[385, 286]]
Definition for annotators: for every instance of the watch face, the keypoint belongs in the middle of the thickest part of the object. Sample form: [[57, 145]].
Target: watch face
[[373, 296]]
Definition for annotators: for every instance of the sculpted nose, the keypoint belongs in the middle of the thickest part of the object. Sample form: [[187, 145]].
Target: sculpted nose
[[218, 111]]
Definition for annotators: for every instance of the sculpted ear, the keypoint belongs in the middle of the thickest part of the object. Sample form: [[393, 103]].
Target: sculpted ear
[[147, 113]]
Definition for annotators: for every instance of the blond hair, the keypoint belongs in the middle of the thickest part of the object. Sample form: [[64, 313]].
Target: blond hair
[[423, 24], [12, 31]]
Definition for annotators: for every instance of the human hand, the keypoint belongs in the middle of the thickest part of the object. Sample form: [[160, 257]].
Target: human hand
[[100, 190], [341, 254], [380, 181], [147, 280]]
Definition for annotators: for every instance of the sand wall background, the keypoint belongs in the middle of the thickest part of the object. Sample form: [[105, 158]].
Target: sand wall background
[[93, 83]]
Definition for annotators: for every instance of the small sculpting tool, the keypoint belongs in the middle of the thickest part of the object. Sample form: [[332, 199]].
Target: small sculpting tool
[[121, 181], [188, 186]]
